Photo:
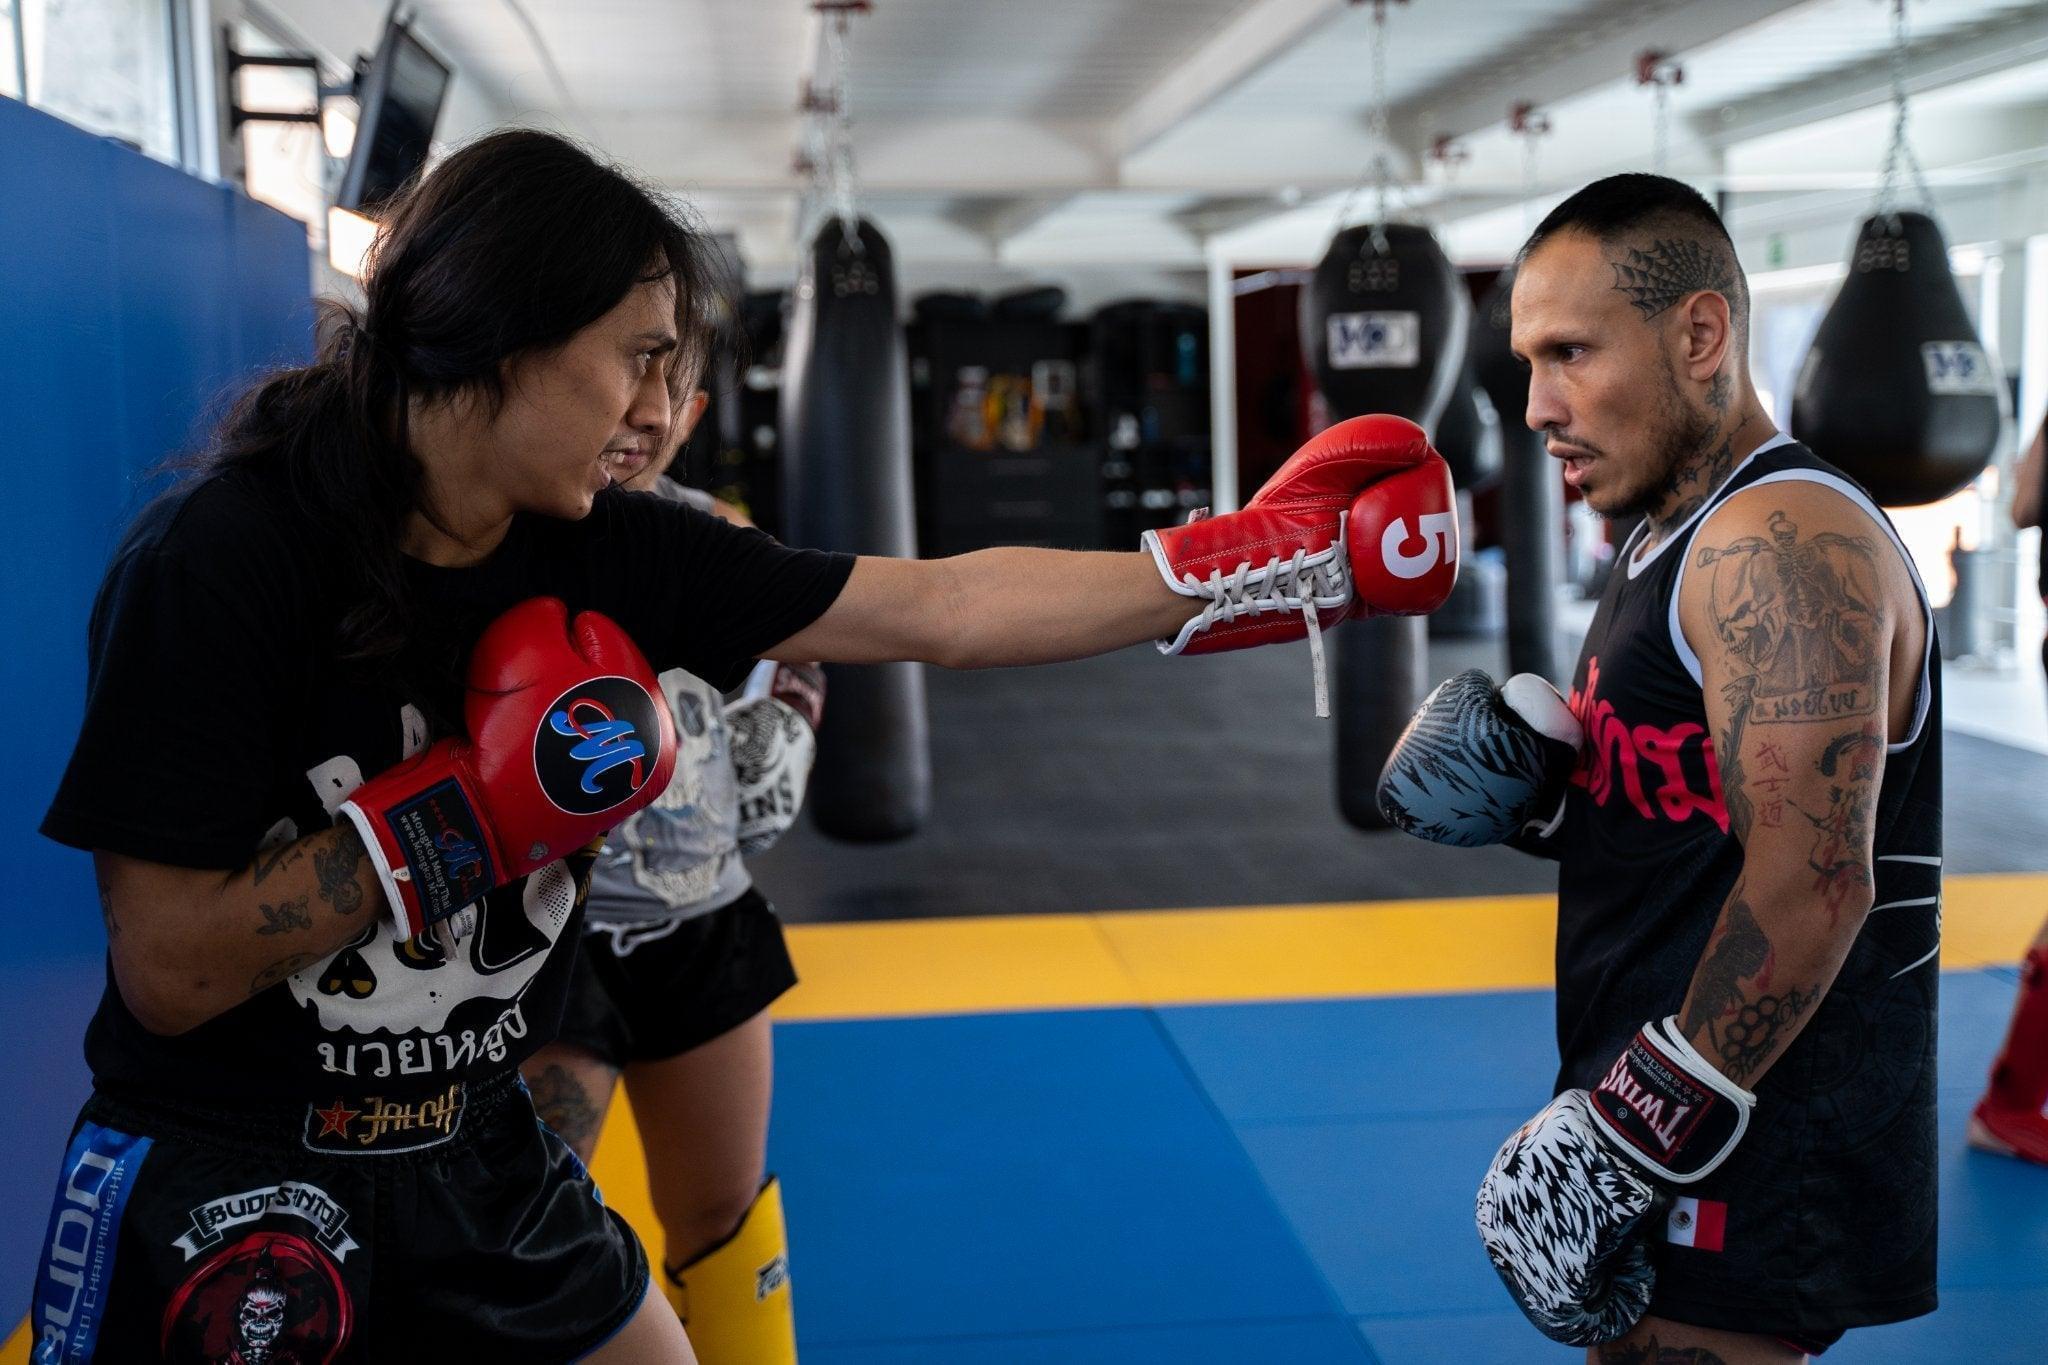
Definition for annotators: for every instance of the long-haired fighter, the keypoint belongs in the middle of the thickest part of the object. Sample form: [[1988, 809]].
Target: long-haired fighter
[[363, 697]]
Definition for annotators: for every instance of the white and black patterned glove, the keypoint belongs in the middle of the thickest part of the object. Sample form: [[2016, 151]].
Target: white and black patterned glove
[[773, 731], [1565, 1207], [1481, 765]]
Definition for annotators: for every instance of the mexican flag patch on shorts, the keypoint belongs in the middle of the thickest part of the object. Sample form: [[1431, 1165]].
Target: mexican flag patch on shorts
[[1696, 1223]]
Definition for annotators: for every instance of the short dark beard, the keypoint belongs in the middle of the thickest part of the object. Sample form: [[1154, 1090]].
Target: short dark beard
[[1682, 459]]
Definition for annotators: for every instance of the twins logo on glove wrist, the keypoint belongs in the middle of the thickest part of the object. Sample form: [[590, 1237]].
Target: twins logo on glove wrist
[[1563, 1207], [1668, 1108]]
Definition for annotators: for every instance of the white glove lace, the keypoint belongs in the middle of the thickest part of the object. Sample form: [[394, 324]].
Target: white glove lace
[[1307, 583]]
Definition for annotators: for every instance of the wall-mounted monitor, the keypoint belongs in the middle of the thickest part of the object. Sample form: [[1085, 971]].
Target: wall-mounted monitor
[[399, 95]]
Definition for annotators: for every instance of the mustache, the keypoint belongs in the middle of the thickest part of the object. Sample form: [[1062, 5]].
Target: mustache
[[1560, 446]]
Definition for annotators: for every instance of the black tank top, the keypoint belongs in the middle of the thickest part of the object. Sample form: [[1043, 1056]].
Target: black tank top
[[1841, 1149]]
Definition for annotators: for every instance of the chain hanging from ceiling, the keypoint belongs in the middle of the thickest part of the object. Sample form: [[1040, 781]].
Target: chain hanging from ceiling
[[826, 156], [1528, 123], [1899, 159], [1661, 74], [1379, 171]]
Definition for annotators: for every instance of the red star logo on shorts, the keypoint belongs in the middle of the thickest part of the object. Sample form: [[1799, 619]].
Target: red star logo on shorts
[[334, 1120]]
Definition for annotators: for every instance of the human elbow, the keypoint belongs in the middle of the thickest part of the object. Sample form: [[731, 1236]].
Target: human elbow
[[162, 983], [1845, 892]]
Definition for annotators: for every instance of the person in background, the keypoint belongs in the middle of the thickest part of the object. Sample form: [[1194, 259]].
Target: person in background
[[2009, 1118], [680, 958]]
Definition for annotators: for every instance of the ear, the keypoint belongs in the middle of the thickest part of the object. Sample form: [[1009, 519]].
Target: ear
[[1708, 335], [689, 414]]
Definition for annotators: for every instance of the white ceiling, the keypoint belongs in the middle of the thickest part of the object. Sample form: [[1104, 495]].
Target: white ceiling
[[1041, 132]]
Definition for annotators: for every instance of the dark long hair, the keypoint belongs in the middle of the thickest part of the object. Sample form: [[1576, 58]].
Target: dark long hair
[[508, 247]]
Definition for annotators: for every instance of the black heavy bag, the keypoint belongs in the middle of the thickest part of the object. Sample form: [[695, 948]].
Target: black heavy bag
[[1897, 390], [1382, 331], [1531, 493], [846, 486], [1468, 434]]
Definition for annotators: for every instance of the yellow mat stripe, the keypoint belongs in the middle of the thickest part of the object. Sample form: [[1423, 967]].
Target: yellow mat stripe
[[1184, 957], [1309, 952]]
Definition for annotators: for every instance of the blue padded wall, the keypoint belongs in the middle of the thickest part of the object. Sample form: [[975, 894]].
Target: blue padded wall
[[133, 298]]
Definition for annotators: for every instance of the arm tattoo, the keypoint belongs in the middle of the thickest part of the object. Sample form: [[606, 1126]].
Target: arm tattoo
[[1752, 1034], [106, 906], [1652, 1353], [282, 968], [1739, 952], [275, 860], [1844, 830], [1798, 621], [564, 1105], [284, 917], [1672, 268], [337, 871]]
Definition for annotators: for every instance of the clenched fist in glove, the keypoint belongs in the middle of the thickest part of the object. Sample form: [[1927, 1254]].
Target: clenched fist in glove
[[1358, 522], [568, 735], [1479, 765], [773, 728], [1563, 1208]]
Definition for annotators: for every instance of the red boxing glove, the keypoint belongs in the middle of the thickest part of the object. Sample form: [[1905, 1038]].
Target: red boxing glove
[[569, 735], [1358, 522], [1403, 536]]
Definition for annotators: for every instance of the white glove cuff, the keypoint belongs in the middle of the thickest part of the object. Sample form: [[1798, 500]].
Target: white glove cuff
[[1669, 1109]]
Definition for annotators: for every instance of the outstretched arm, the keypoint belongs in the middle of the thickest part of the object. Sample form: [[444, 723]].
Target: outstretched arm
[[991, 608], [1791, 600]]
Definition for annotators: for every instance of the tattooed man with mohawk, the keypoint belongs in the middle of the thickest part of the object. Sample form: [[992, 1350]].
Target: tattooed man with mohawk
[[1739, 1164]]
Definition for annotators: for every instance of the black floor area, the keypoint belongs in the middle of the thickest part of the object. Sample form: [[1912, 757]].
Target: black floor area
[[1135, 782]]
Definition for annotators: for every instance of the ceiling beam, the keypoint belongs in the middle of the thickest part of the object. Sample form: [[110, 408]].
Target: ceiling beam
[[1578, 55], [999, 220], [1262, 32], [2013, 39]]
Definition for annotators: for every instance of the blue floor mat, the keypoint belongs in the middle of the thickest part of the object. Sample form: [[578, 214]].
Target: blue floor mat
[[1328, 1059], [1025, 1173], [1234, 1182], [1324, 1341]]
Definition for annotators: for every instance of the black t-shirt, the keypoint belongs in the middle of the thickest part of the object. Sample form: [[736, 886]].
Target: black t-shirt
[[220, 721]]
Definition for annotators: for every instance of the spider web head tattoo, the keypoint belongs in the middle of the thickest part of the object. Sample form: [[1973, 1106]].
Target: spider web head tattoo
[[1654, 280]]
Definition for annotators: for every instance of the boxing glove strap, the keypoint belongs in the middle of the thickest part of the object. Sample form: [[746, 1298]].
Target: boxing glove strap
[[430, 851], [1667, 1108]]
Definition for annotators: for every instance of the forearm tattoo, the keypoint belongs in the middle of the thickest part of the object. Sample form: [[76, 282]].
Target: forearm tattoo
[[337, 868], [284, 917], [1738, 952], [282, 968], [275, 860]]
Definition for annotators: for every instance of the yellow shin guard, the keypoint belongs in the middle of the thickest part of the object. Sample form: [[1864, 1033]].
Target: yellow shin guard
[[734, 1299]]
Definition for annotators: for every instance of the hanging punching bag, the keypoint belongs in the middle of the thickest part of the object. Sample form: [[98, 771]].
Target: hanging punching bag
[[1383, 326], [846, 486], [1468, 434], [1531, 493], [1897, 389], [1468, 437]]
